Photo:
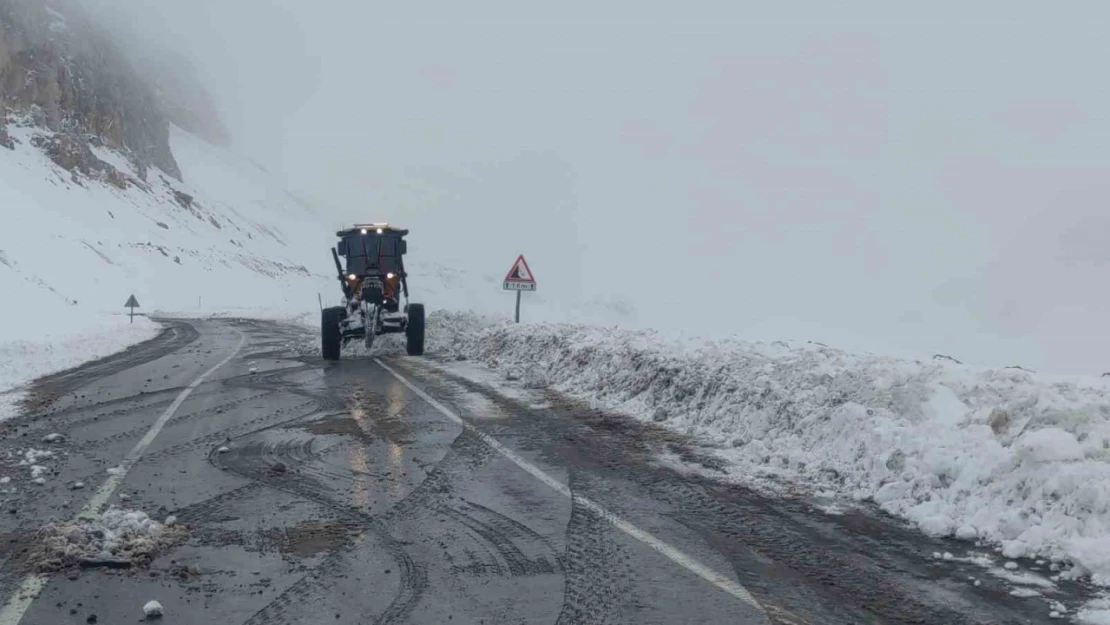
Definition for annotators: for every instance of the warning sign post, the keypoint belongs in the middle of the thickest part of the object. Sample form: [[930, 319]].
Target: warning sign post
[[520, 279], [132, 303]]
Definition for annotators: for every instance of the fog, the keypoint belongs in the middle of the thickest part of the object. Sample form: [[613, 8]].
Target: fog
[[900, 181]]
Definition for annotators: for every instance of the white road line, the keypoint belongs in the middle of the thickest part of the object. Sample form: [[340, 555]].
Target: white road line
[[13, 611], [672, 553], [18, 605]]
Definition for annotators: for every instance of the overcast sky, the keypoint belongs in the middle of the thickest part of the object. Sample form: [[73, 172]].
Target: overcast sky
[[903, 181]]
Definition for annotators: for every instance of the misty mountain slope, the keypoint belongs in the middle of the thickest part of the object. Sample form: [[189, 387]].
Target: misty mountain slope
[[225, 238], [66, 75], [102, 198]]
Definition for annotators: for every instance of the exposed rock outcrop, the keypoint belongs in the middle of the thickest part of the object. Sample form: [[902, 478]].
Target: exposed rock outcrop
[[61, 71], [72, 153]]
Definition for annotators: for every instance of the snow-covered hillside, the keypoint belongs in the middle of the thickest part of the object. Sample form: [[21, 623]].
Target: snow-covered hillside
[[227, 236], [75, 246]]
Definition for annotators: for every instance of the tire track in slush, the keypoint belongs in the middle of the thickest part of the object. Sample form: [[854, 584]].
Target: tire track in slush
[[253, 460], [299, 592], [683, 560], [228, 433], [50, 421], [413, 577], [496, 533], [256, 460], [596, 581], [499, 532], [134, 432], [816, 561], [210, 510], [423, 500]]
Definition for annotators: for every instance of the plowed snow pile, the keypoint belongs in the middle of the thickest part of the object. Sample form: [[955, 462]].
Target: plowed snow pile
[[1012, 458], [117, 538]]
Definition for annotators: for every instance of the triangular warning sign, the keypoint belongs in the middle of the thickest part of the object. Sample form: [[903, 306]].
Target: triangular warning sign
[[520, 272], [131, 302]]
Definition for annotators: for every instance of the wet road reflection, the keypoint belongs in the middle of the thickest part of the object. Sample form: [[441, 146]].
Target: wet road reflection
[[358, 457]]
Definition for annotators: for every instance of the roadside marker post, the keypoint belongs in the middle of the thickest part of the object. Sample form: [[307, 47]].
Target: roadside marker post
[[520, 279], [132, 303]]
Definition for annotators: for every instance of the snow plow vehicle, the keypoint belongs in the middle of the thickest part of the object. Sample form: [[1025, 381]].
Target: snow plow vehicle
[[374, 282]]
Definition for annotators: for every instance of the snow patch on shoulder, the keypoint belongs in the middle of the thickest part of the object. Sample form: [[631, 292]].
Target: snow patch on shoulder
[[57, 349], [1096, 612]]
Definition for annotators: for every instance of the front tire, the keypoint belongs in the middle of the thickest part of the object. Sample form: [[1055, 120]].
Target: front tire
[[330, 340], [414, 330]]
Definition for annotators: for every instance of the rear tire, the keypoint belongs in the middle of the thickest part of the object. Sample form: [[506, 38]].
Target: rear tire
[[414, 330], [330, 340]]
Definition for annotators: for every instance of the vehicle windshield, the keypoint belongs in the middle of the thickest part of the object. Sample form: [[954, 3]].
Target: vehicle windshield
[[372, 253]]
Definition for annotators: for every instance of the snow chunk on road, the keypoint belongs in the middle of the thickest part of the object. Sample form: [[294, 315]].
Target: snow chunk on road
[[117, 538], [33, 456], [1013, 549], [1020, 578], [152, 609]]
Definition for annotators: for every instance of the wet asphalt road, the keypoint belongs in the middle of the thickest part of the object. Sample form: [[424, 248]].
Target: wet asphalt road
[[344, 496]]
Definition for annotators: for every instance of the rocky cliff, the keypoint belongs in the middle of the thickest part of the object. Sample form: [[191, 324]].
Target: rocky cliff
[[62, 73]]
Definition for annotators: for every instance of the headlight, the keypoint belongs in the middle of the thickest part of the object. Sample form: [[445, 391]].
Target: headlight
[[390, 276], [352, 277], [379, 230], [364, 231]]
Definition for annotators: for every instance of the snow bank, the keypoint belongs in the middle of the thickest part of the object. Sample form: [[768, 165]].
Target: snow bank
[[1019, 460], [24, 360], [74, 249], [117, 538], [1096, 612]]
